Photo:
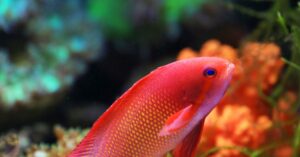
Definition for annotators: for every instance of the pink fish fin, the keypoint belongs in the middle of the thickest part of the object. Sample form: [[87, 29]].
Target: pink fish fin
[[188, 147], [177, 121]]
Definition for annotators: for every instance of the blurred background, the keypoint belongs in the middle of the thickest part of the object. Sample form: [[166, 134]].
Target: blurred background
[[63, 63]]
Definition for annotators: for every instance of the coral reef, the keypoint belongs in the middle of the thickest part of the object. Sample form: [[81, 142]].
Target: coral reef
[[62, 40]]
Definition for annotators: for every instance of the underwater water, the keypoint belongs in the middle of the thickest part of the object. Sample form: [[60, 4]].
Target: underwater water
[[63, 63]]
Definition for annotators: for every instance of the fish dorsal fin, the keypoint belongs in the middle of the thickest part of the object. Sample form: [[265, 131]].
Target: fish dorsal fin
[[188, 146], [178, 120]]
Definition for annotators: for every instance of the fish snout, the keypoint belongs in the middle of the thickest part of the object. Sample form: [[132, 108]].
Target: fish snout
[[229, 70]]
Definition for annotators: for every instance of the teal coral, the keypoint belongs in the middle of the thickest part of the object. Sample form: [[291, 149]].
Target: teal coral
[[9, 16], [63, 39]]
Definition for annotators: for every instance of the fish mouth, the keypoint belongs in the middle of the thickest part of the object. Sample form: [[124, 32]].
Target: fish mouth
[[229, 69], [228, 73]]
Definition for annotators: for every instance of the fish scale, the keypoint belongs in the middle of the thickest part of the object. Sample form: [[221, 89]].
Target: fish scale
[[156, 106]]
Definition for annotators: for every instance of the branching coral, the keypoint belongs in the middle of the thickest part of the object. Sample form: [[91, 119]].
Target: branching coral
[[62, 40]]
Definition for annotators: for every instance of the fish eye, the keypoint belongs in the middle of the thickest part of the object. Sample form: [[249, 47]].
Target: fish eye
[[210, 72]]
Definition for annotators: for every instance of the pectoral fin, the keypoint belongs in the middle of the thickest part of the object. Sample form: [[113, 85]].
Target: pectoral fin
[[177, 121], [188, 146]]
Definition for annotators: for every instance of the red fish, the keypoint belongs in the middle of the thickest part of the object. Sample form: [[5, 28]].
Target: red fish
[[163, 111]]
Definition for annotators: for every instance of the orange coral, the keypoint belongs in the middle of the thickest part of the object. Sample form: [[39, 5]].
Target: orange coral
[[242, 118], [210, 48], [186, 53], [263, 63], [215, 48], [235, 125], [285, 116], [284, 151], [284, 111]]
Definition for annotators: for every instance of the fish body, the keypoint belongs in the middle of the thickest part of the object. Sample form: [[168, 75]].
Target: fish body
[[163, 111]]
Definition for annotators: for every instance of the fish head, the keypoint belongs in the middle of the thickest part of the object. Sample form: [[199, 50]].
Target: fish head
[[215, 76], [200, 84], [206, 81]]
